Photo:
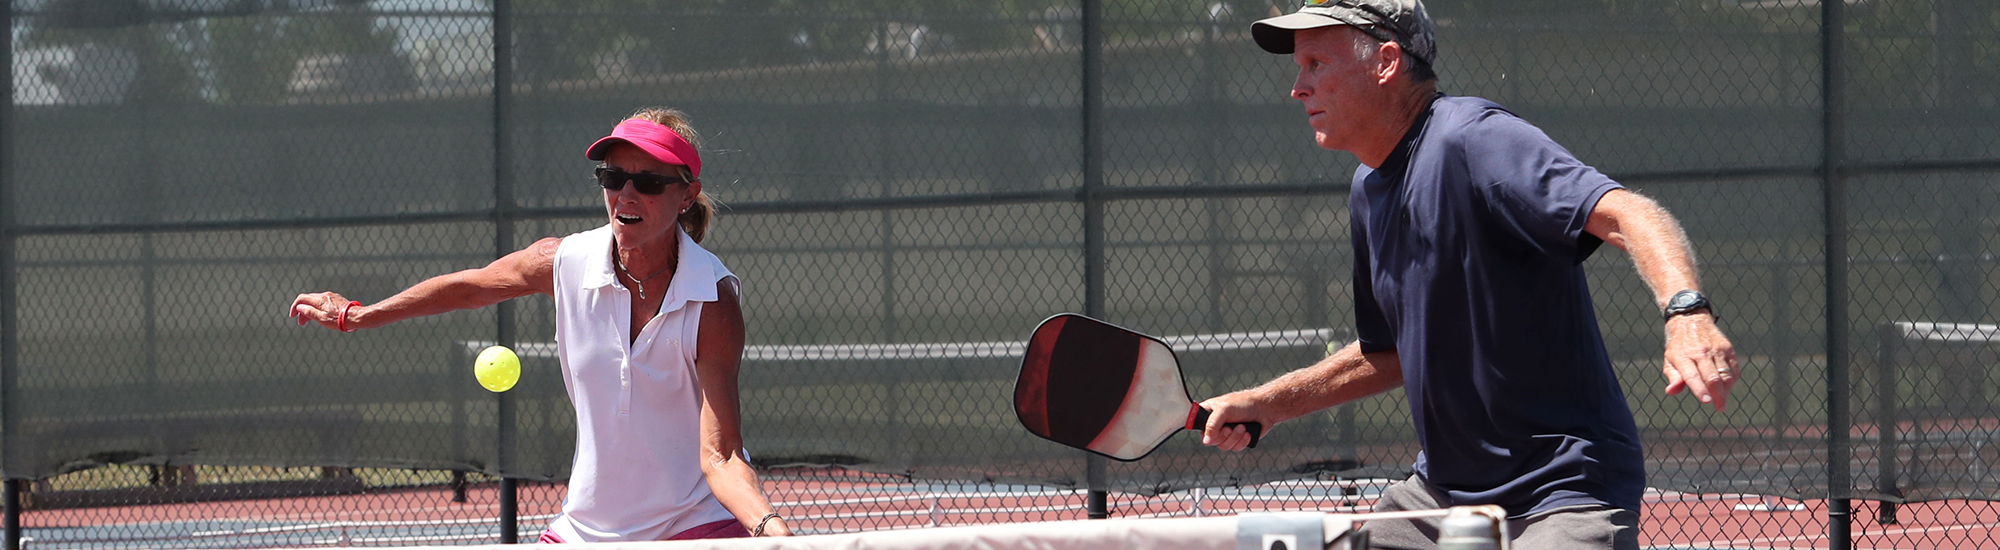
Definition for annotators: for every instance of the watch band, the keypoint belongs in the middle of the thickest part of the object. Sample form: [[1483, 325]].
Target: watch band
[[1685, 302]]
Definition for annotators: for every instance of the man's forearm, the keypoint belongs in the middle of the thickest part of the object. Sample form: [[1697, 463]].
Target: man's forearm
[[1659, 249], [1345, 376]]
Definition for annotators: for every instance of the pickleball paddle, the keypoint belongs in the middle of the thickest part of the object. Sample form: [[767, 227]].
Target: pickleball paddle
[[1102, 388]]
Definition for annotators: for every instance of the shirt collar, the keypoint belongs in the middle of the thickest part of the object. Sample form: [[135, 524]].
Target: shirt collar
[[1400, 157], [694, 276], [598, 258]]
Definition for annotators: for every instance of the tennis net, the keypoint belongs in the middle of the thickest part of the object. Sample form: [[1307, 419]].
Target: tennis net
[[1463, 528], [1933, 420]]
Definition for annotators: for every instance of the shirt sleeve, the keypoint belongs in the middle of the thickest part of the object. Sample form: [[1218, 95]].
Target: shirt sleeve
[[1531, 186], [1370, 325]]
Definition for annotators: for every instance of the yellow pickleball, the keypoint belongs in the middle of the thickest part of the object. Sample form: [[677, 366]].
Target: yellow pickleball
[[497, 368]]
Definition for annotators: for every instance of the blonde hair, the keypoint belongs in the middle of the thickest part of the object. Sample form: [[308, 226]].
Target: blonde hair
[[699, 217]]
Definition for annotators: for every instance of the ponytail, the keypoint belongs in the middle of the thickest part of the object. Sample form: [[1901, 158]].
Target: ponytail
[[698, 217]]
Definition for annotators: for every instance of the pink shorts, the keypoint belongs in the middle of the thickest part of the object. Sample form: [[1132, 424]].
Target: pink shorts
[[724, 529]]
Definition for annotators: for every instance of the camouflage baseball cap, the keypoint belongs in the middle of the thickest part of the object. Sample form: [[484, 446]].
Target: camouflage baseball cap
[[1404, 21]]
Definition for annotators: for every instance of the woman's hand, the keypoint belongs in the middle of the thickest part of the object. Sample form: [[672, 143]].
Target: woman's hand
[[330, 310]]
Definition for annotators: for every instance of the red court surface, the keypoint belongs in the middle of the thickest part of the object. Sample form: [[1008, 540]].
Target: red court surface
[[860, 502]]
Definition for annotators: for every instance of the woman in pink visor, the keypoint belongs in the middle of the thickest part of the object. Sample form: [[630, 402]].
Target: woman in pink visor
[[649, 331]]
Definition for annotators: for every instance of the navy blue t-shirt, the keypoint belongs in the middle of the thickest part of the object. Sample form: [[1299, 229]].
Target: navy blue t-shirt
[[1469, 246]]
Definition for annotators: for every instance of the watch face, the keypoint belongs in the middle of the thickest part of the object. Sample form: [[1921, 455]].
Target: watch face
[[1686, 300]]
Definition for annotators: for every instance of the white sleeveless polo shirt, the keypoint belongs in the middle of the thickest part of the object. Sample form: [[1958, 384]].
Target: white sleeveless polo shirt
[[637, 475]]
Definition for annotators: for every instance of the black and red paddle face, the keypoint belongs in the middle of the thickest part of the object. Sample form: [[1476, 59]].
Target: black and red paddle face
[[1098, 387]]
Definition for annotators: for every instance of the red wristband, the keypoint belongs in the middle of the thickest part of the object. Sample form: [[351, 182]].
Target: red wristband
[[341, 323]]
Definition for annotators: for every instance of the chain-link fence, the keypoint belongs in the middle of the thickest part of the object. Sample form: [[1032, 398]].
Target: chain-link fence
[[901, 176]]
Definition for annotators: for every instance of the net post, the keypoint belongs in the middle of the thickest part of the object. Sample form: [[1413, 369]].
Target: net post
[[510, 513], [1886, 418], [12, 500], [1096, 501], [1783, 342]]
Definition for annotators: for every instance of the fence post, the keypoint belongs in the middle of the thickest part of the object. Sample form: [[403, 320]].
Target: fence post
[[885, 93], [1840, 514], [1095, 503], [10, 501], [503, 244], [886, 111], [1208, 100]]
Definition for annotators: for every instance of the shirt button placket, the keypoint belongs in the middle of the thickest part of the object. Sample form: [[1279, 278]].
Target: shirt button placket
[[625, 386]]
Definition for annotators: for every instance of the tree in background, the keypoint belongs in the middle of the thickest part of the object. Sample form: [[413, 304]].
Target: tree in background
[[346, 53], [249, 54], [120, 51], [239, 52]]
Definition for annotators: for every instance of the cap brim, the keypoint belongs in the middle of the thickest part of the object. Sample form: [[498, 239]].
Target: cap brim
[[1275, 34], [653, 138], [602, 148]]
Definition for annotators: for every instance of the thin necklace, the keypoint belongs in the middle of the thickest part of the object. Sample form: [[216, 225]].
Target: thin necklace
[[638, 283]]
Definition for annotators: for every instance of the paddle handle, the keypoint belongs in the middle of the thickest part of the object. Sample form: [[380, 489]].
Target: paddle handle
[[1198, 419]]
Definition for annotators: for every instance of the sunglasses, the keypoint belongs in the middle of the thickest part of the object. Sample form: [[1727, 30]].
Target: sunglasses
[[613, 179]]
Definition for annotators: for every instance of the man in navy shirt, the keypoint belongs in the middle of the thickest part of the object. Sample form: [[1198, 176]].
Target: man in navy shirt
[[1469, 229]]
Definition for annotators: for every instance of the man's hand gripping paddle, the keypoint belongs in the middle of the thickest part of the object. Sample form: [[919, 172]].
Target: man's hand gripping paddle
[[1098, 387]]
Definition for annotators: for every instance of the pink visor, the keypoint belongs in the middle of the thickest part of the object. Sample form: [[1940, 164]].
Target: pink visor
[[653, 138]]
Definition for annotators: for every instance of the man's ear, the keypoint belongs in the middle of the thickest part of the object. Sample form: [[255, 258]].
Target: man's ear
[[1389, 62]]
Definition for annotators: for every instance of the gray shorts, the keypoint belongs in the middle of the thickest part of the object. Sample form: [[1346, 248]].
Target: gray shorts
[[1572, 528]]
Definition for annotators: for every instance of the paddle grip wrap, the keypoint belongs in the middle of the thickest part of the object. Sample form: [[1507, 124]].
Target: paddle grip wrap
[[1198, 419]]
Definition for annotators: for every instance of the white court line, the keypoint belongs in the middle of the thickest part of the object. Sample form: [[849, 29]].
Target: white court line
[[357, 525], [1731, 543], [339, 542], [313, 516]]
